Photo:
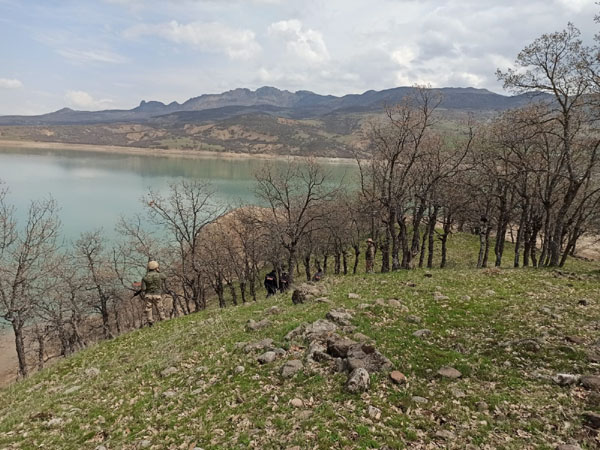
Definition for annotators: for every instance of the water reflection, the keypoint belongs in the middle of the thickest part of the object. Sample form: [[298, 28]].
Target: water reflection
[[93, 188]]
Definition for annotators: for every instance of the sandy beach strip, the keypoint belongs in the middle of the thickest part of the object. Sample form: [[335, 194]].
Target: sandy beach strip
[[164, 153]]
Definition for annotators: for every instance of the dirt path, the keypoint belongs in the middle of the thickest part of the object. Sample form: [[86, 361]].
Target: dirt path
[[8, 357]]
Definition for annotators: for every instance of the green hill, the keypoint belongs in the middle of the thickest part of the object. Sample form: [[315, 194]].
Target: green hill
[[179, 386]]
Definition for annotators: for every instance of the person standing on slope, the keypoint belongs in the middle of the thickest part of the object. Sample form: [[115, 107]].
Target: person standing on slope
[[153, 287], [370, 256]]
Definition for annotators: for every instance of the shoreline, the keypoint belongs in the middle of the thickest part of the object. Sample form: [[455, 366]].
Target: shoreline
[[169, 153]]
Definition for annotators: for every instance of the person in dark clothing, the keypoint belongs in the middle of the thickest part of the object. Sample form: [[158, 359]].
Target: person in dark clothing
[[317, 276], [283, 282], [271, 283]]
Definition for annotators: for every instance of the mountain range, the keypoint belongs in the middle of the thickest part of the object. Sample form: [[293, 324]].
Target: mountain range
[[267, 120]]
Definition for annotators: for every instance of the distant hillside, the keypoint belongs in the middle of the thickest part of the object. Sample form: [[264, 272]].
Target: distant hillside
[[267, 120]]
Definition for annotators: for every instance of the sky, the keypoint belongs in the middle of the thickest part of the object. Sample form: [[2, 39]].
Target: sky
[[111, 54]]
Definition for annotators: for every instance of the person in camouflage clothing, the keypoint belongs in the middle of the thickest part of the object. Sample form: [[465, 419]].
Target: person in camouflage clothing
[[370, 256], [153, 285]]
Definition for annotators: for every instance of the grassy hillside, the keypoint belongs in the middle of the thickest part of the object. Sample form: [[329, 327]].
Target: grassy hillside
[[517, 329]]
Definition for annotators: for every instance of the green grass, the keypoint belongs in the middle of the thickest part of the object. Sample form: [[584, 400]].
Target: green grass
[[215, 408]]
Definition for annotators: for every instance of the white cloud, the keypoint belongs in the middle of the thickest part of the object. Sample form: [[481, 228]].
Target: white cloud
[[91, 56], [210, 37], [306, 44], [81, 99], [10, 83]]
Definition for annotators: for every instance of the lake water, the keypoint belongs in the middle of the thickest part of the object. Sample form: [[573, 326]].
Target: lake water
[[93, 189]]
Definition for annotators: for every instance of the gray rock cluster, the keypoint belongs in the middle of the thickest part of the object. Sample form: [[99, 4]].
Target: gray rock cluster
[[307, 292]]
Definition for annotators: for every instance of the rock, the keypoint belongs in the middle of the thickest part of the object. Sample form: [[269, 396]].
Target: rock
[[323, 300], [422, 333], [364, 306], [303, 415], [457, 393], [290, 368], [380, 302], [55, 422], [593, 356], [273, 310], [413, 319], [252, 325], [339, 316], [372, 362], [145, 443], [239, 370], [72, 390], [267, 357], [338, 348], [428, 275], [306, 292], [315, 348], [545, 310], [358, 381], [298, 331], [354, 296], [438, 296], [374, 413], [482, 407], [297, 403], [295, 447], [397, 377], [490, 292], [100, 447], [360, 337], [263, 344], [530, 345], [445, 435], [583, 302], [169, 371], [319, 329], [449, 372], [92, 372], [411, 284], [418, 399], [591, 419], [169, 394], [568, 447], [591, 382], [394, 303], [466, 298], [575, 340], [566, 379]]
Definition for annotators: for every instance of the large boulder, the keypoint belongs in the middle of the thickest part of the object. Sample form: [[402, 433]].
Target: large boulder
[[264, 344], [306, 292], [365, 356], [358, 381], [320, 329], [252, 325], [339, 316]]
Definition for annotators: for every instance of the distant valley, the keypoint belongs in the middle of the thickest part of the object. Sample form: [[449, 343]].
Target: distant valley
[[265, 121]]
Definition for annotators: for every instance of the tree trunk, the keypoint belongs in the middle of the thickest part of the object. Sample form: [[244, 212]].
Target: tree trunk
[[306, 262], [356, 258], [430, 234], [20, 348], [345, 261]]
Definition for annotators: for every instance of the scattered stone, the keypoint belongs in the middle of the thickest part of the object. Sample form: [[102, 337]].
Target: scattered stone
[[490, 292], [339, 347], [323, 300], [239, 370], [411, 284], [575, 340], [303, 415], [358, 381], [593, 356], [297, 403], [306, 292], [315, 348], [374, 413], [449, 372], [319, 328], [380, 302], [413, 319], [428, 275], [252, 325], [366, 357], [418, 399], [457, 393], [100, 447], [445, 434], [354, 296], [339, 316], [145, 443], [263, 344], [422, 333], [397, 377], [591, 382], [273, 310], [298, 331], [566, 379], [267, 357], [169, 394], [57, 421], [568, 447], [482, 407], [72, 390], [92, 372], [169, 371], [394, 303], [592, 419], [438, 296], [290, 368], [466, 298], [361, 337], [545, 310], [364, 306]]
